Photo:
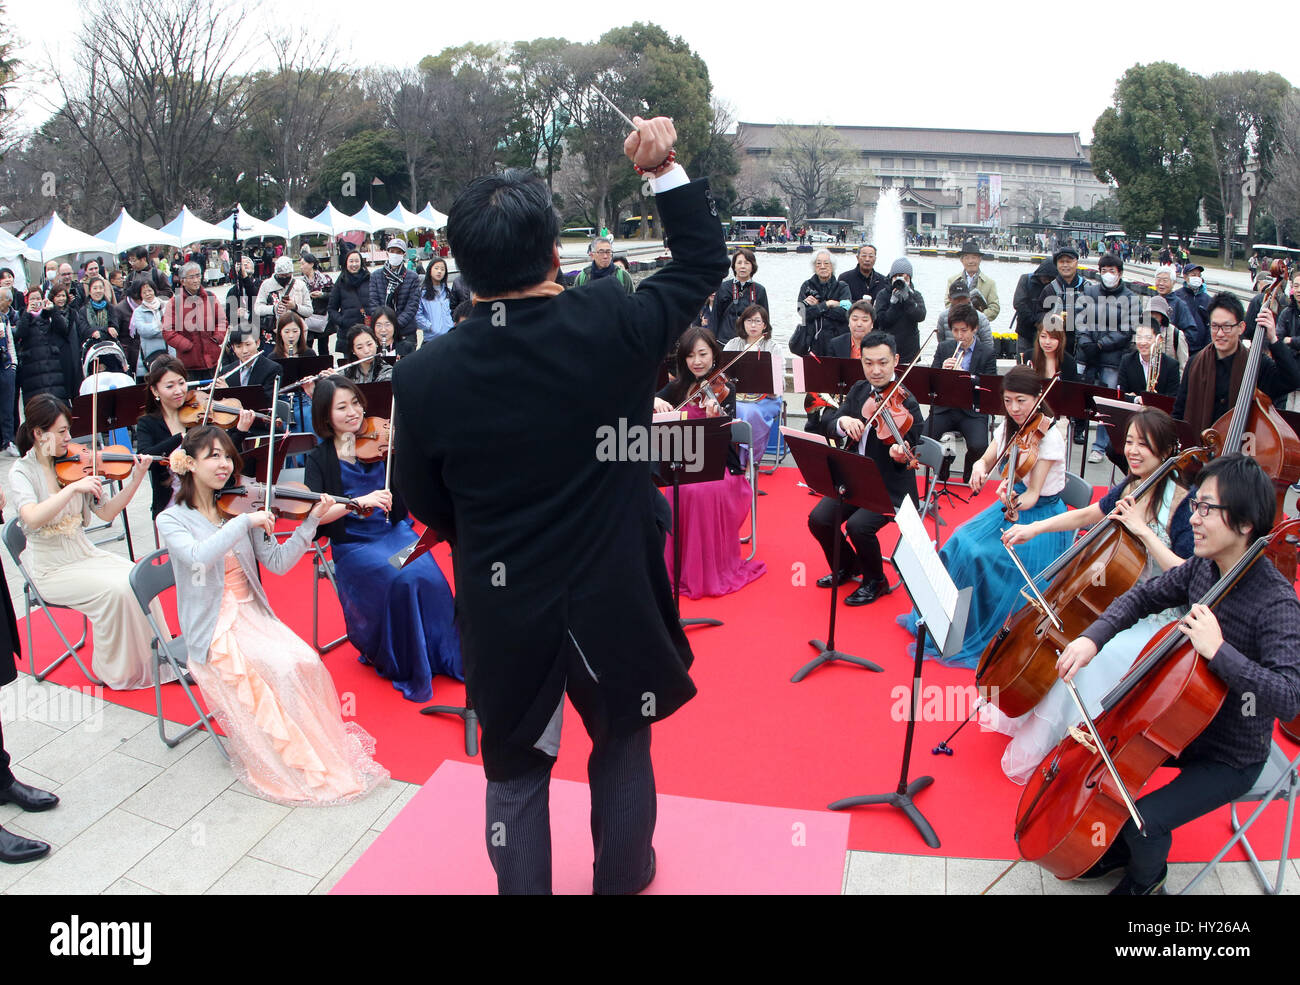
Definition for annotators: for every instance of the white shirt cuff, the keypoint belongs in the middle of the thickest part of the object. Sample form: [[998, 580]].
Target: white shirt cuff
[[670, 179]]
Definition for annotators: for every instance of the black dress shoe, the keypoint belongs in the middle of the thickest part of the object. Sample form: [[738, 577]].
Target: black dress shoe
[[825, 580], [869, 592], [1127, 887], [16, 848], [1104, 867], [28, 798]]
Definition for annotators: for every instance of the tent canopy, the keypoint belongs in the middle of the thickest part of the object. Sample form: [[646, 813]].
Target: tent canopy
[[189, 228], [250, 227], [57, 239], [294, 224], [436, 219], [125, 232], [12, 246], [403, 218], [375, 221], [340, 222]]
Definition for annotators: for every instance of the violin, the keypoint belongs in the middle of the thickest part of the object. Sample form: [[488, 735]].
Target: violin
[[1168, 698], [716, 385], [892, 420], [1021, 451], [113, 463], [373, 439], [291, 499], [224, 413]]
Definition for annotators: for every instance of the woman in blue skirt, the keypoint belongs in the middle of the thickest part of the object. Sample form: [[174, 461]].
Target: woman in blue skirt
[[974, 555], [401, 620]]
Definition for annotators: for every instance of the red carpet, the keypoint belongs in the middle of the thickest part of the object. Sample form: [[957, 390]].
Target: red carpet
[[751, 737]]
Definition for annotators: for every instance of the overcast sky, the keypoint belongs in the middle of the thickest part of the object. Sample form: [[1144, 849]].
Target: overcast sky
[[1005, 66]]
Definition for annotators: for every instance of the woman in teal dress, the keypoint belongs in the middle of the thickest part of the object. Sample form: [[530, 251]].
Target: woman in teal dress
[[401, 620], [974, 555]]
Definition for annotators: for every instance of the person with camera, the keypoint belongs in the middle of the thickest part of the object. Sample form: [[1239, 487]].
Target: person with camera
[[901, 310]]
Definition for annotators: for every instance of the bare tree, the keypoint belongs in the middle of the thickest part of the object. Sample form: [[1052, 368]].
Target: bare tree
[[1283, 193], [405, 100], [809, 163], [155, 83]]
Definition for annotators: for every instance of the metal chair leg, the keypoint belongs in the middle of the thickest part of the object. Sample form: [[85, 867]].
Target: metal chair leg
[[321, 570]]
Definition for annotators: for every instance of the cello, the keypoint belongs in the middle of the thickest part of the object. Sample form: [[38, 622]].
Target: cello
[[1018, 667], [1168, 698]]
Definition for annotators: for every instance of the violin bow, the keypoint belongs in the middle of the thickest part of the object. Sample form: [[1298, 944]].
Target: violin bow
[[1037, 601], [884, 398], [212, 388], [392, 427], [270, 453], [229, 372], [1037, 404], [1100, 749]]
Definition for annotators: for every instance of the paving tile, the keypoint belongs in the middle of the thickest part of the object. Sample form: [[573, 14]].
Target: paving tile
[[1239, 879], [1181, 873], [971, 876], [345, 863], [200, 853], [90, 795], [125, 887], [97, 858], [24, 738], [253, 877], [877, 873], [313, 839], [51, 704], [185, 788], [146, 745], [72, 752], [405, 791]]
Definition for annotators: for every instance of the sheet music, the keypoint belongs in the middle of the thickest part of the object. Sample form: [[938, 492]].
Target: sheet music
[[804, 435], [912, 529], [796, 366]]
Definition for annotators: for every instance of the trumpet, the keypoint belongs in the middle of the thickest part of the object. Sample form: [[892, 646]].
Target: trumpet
[[1153, 370], [958, 354]]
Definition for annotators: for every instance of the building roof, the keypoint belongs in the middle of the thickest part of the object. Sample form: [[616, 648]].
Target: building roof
[[1066, 147]]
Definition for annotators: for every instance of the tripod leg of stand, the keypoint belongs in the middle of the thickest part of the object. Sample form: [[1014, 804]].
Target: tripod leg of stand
[[677, 564], [902, 797], [826, 652], [466, 715]]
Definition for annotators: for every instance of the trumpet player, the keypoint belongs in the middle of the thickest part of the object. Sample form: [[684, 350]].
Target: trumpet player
[[968, 354], [1148, 369]]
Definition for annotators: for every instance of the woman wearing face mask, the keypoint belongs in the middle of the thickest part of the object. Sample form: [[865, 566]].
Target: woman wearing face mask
[[350, 296], [396, 287], [737, 294], [267, 689], [278, 295], [711, 513]]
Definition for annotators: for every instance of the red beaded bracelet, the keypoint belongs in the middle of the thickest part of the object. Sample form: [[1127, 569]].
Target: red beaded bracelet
[[672, 156]]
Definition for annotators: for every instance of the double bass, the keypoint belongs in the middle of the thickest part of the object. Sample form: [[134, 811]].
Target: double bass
[[1168, 698]]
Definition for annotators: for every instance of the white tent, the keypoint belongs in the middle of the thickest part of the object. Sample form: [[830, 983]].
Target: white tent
[[57, 239], [403, 218], [125, 232], [12, 246], [374, 222], [294, 224], [250, 227], [435, 218], [340, 222], [189, 228]]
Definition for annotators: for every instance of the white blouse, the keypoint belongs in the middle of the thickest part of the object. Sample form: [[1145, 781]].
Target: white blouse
[[1051, 449]]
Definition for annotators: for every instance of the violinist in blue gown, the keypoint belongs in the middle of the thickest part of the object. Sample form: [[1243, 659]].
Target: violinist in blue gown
[[400, 620]]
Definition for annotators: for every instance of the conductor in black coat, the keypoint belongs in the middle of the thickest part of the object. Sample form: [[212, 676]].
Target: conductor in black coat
[[560, 580], [15, 848], [977, 357], [879, 361]]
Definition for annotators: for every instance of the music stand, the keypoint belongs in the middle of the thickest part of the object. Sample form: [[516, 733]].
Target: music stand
[[711, 437], [755, 372], [962, 390], [294, 368], [990, 395], [826, 374], [379, 396], [251, 397], [846, 478], [943, 610], [1075, 401], [1118, 414], [116, 409]]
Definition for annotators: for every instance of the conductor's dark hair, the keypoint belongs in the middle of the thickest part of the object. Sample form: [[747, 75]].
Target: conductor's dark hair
[[42, 411], [1245, 491], [503, 230], [877, 337], [322, 404], [1230, 303], [463, 311]]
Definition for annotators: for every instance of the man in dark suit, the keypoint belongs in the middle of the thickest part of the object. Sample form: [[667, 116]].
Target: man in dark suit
[[864, 280], [976, 357], [15, 848], [262, 371], [560, 580], [860, 553], [1135, 369]]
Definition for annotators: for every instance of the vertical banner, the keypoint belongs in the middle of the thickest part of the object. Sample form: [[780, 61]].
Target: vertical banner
[[982, 208], [995, 199]]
